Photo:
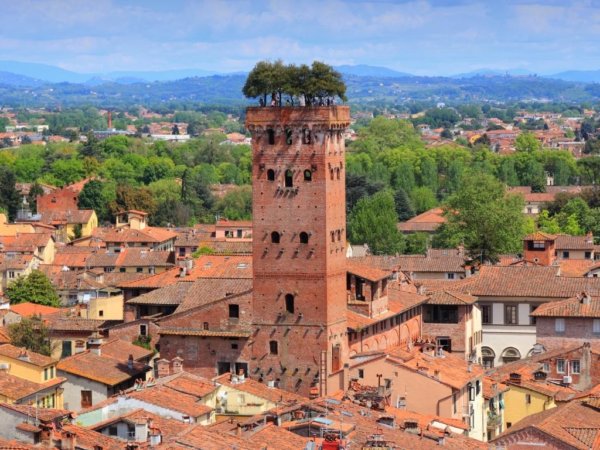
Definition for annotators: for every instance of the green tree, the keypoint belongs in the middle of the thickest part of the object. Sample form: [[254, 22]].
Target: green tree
[[9, 196], [404, 207], [417, 243], [34, 191], [31, 333], [423, 199], [374, 221], [487, 219], [34, 288], [527, 142]]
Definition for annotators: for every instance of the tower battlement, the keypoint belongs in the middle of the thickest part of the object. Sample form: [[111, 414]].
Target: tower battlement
[[332, 116]]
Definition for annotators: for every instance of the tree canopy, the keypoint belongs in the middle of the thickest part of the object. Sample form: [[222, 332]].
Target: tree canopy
[[34, 288], [31, 333], [484, 217], [374, 221], [314, 85]]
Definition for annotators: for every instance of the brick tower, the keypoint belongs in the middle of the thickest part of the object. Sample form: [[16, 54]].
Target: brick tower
[[299, 242]]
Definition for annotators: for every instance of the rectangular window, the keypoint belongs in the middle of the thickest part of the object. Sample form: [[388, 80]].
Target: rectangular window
[[510, 315], [234, 311], [361, 373], [565, 255], [139, 269], [455, 402], [575, 366], [441, 314], [528, 399], [560, 366], [546, 367], [538, 245], [559, 325], [122, 269], [450, 276], [143, 330], [273, 347], [532, 308], [596, 326], [486, 314], [181, 251], [588, 255], [86, 399], [46, 374], [11, 274]]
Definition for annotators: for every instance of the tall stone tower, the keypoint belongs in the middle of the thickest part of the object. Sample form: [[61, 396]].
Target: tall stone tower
[[299, 244]]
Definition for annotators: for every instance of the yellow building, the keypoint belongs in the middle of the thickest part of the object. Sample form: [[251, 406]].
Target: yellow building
[[27, 377], [11, 229], [527, 397]]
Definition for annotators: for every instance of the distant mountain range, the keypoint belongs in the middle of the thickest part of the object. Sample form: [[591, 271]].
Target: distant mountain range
[[37, 85], [33, 74]]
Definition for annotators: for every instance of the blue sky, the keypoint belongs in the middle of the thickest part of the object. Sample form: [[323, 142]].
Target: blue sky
[[421, 37]]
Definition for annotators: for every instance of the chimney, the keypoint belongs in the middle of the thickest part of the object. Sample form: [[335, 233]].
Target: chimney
[[585, 379], [585, 298], [130, 362], [24, 356], [141, 430], [177, 364], [162, 368], [94, 343], [155, 437], [68, 441]]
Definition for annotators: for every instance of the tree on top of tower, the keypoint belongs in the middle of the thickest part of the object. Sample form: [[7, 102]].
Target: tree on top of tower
[[318, 84]]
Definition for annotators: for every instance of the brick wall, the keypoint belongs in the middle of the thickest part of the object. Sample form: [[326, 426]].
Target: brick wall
[[314, 273], [578, 328], [457, 332], [62, 200]]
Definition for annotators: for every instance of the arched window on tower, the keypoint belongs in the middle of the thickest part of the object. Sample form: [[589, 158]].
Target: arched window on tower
[[304, 237], [308, 175], [273, 348], [271, 175], [331, 173], [306, 139], [337, 173], [289, 303], [271, 136], [275, 237], [289, 178]]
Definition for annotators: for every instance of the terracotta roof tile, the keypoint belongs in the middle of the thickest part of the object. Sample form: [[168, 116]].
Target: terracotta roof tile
[[572, 307], [450, 369], [367, 272], [29, 309], [125, 235], [450, 298], [43, 414], [103, 368], [574, 424], [171, 399], [119, 349], [491, 387], [16, 388], [260, 390], [568, 242], [90, 440], [13, 352]]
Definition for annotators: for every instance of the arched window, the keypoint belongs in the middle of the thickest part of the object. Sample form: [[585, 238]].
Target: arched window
[[271, 175], [275, 237], [308, 175], [304, 237], [289, 303], [273, 348], [306, 136], [488, 357], [338, 235], [289, 178], [288, 136], [510, 354], [331, 173], [333, 236], [271, 136], [337, 173]]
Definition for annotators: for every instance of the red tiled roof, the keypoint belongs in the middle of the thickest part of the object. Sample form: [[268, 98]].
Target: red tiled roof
[[572, 307], [449, 369], [574, 425], [28, 309], [260, 390], [103, 368], [568, 242], [36, 359], [450, 298], [540, 236], [367, 272], [16, 388]]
